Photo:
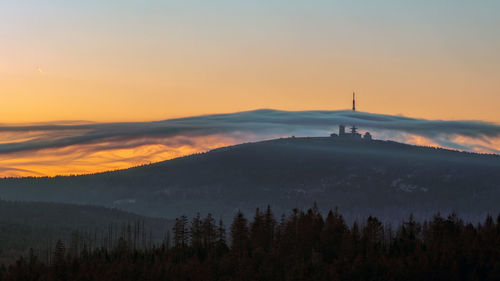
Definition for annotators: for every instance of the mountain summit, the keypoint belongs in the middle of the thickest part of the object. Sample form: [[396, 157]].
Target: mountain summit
[[361, 177]]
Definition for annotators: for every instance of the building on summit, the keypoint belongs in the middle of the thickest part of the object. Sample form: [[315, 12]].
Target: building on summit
[[353, 134], [367, 136]]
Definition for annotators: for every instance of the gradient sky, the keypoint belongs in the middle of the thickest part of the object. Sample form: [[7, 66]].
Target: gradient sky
[[128, 60], [138, 60]]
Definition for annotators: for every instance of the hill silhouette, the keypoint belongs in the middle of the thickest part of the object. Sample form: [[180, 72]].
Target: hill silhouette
[[382, 178]]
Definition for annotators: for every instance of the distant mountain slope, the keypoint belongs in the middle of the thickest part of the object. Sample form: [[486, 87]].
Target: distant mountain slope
[[25, 225], [383, 178]]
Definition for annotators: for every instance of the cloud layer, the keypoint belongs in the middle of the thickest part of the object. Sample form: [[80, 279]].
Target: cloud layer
[[40, 148]]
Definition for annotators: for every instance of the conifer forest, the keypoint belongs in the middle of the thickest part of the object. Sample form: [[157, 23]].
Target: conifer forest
[[303, 245]]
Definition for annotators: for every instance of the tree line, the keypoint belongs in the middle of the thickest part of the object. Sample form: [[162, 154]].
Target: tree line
[[305, 245]]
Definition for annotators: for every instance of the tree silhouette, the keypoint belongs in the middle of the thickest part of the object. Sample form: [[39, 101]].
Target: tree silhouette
[[240, 242], [302, 246]]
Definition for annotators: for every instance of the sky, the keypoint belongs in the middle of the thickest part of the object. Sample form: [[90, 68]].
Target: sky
[[86, 62]]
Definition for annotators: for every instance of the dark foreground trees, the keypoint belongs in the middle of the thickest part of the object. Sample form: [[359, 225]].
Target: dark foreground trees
[[302, 246]]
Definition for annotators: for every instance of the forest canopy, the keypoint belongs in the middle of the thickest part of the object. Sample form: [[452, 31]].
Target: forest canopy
[[305, 245]]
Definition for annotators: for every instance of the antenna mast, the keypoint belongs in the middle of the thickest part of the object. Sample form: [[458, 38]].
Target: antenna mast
[[353, 102]]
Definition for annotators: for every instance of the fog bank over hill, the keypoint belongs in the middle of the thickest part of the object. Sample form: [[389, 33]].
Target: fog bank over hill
[[41, 149]]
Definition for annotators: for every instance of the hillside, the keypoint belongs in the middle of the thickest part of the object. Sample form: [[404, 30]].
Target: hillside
[[38, 225], [382, 178]]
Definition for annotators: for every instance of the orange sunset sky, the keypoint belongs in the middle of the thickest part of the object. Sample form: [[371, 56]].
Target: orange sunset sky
[[114, 61]]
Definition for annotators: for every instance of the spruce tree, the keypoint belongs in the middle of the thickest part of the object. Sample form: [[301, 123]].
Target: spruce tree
[[239, 236]]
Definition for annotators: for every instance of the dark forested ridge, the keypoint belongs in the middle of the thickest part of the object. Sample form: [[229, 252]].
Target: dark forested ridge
[[300, 246], [37, 225], [382, 178]]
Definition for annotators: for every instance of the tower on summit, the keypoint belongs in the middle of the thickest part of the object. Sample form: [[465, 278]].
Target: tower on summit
[[353, 102], [353, 134]]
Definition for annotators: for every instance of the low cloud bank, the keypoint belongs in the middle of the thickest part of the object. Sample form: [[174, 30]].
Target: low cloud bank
[[205, 132]]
